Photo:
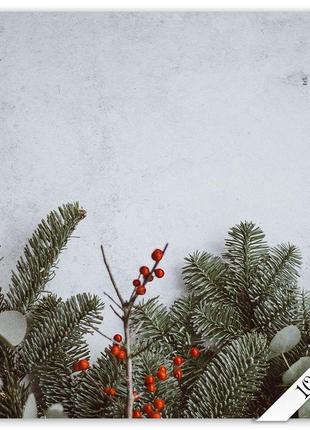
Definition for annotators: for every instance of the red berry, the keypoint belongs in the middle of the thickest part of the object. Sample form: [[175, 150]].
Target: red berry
[[157, 255], [83, 364], [136, 282], [115, 350], [107, 390], [162, 369], [136, 413], [144, 270], [159, 273], [149, 379], [76, 366], [177, 373], [122, 355], [178, 360], [195, 352], [162, 375], [151, 388], [118, 337], [150, 278], [112, 391], [155, 415], [141, 290], [159, 404], [148, 409]]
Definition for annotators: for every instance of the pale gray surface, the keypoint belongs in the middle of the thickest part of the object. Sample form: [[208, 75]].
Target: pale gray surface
[[166, 127]]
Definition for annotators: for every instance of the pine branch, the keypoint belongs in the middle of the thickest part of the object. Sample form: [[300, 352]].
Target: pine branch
[[231, 380], [246, 250], [91, 402], [13, 393], [55, 378], [217, 324], [150, 319], [203, 276], [277, 311], [182, 334], [47, 336], [38, 264], [279, 268]]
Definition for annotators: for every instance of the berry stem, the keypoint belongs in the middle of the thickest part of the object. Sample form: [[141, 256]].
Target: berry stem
[[130, 395], [104, 335], [116, 313], [112, 300], [126, 307], [111, 276], [145, 281]]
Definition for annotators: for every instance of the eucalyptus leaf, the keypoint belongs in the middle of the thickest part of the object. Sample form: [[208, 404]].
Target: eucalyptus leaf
[[13, 327], [56, 411], [296, 370], [304, 411], [285, 340], [30, 410]]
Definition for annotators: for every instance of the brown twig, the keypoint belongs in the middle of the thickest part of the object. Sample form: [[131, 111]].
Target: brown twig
[[116, 313], [126, 307], [111, 298], [104, 335], [111, 276]]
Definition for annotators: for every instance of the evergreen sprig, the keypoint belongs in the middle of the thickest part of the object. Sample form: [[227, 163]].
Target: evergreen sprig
[[231, 380], [82, 311], [37, 266]]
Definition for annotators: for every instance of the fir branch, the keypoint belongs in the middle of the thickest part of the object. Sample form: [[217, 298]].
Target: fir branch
[[150, 319], [231, 381], [42, 342], [90, 399], [38, 264], [217, 324], [203, 276], [245, 250]]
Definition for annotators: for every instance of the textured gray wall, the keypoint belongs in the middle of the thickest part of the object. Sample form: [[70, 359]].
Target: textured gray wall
[[165, 126]]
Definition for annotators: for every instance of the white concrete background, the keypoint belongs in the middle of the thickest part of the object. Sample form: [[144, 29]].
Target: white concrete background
[[165, 126]]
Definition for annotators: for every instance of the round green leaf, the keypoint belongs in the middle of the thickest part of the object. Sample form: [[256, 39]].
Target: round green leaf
[[56, 411], [30, 409], [285, 340], [296, 370], [13, 327], [304, 411]]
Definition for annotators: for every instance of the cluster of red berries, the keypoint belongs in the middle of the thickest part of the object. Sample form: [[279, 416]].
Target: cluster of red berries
[[151, 410], [149, 380], [147, 275], [178, 360], [81, 365], [117, 349]]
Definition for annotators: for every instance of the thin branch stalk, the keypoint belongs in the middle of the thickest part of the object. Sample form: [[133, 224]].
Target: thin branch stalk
[[126, 307]]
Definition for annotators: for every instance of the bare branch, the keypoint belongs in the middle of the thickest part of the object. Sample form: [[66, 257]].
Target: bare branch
[[111, 276], [111, 298], [116, 313]]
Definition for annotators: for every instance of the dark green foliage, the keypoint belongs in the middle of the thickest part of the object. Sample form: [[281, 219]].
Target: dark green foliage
[[56, 328], [151, 318], [221, 326], [231, 380], [91, 402], [47, 335], [13, 392], [38, 264], [235, 305]]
